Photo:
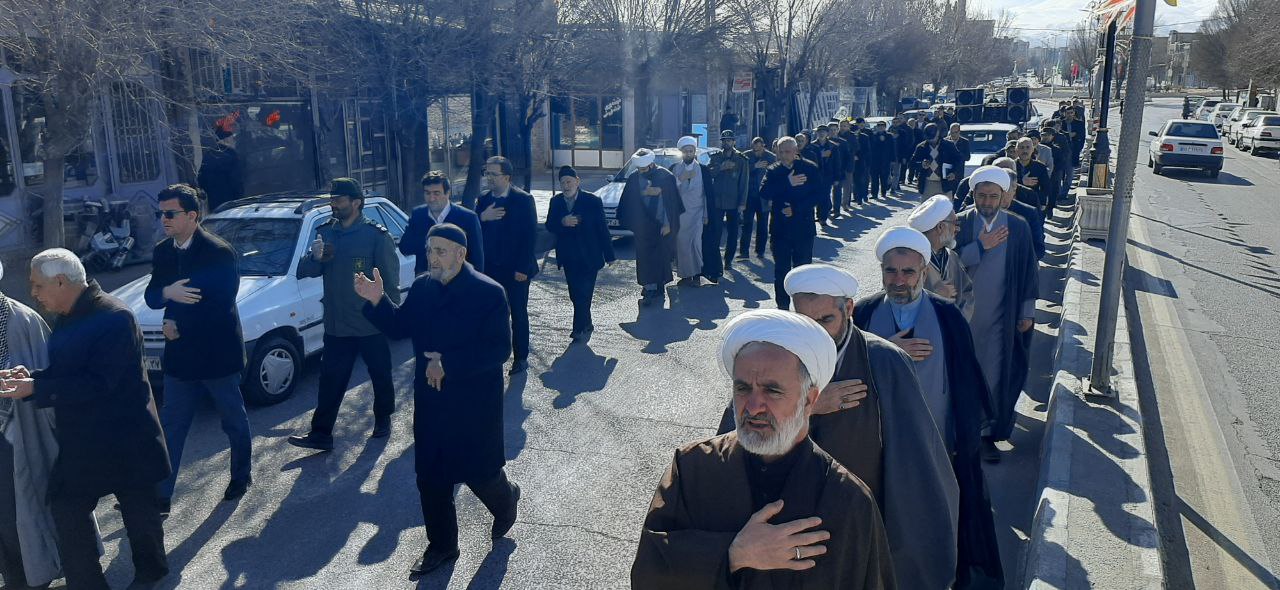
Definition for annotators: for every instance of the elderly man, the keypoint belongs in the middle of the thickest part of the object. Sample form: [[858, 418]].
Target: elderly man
[[28, 448], [461, 335], [108, 433], [694, 183], [728, 200], [873, 420], [583, 246], [944, 275], [996, 250], [937, 337], [1032, 173], [650, 208], [763, 506], [794, 186]]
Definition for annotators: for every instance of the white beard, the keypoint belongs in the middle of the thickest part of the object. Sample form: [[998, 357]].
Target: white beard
[[951, 244], [783, 438]]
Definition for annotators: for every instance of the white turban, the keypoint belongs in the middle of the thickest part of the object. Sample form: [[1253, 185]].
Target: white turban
[[821, 279], [686, 140], [929, 214], [795, 333], [993, 174], [903, 237], [643, 157]]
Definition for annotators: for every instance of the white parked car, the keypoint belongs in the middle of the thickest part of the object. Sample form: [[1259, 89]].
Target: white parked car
[[1235, 133], [1220, 112], [1231, 123], [1202, 111], [1263, 133], [984, 139], [1183, 143], [611, 194], [280, 314]]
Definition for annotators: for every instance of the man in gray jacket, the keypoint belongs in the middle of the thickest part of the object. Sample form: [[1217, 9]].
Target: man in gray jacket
[[350, 243], [727, 200]]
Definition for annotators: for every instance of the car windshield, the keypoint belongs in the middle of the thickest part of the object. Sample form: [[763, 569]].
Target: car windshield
[[1271, 121], [265, 246], [664, 160], [984, 141], [1197, 130], [1226, 107]]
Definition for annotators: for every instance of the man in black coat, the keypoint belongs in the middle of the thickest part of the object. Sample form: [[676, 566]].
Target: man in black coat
[[831, 162], [756, 216], [583, 246], [726, 201], [1032, 173], [461, 333], [862, 161], [961, 142], [794, 186], [109, 436], [194, 279], [883, 152], [509, 223], [650, 208], [938, 164], [440, 209], [904, 136], [221, 175]]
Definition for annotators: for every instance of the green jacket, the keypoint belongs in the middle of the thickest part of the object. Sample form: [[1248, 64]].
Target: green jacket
[[729, 191], [360, 248]]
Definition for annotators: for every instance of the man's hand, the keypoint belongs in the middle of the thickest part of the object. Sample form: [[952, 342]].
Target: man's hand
[[493, 213], [18, 372], [521, 277], [179, 292], [916, 348], [17, 388], [1031, 181], [763, 546], [728, 165], [991, 239], [787, 211], [170, 330], [653, 191], [317, 249], [435, 370], [946, 289], [666, 229], [687, 176], [1025, 324], [797, 179], [368, 290], [826, 153], [951, 176], [569, 221], [761, 165], [840, 395]]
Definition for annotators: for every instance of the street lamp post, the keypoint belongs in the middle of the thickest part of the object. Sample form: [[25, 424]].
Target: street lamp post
[[1102, 143]]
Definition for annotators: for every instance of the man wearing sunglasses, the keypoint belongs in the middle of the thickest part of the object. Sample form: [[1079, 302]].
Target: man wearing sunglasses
[[194, 279]]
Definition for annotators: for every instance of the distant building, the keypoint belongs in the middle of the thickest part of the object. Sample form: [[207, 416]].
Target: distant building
[[1178, 73]]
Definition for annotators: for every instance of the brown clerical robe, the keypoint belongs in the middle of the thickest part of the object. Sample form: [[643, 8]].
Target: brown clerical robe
[[704, 499]]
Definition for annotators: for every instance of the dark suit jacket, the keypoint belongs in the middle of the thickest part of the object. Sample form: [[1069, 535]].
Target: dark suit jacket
[[509, 242], [108, 432], [803, 199], [414, 240], [947, 154], [210, 344], [587, 246]]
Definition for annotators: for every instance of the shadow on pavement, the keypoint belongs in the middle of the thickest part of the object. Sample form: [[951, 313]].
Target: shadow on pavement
[[577, 371]]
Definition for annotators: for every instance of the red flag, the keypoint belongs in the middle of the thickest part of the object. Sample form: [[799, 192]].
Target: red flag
[[273, 118]]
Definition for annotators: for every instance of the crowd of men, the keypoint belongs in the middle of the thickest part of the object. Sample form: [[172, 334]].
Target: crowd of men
[[850, 455]]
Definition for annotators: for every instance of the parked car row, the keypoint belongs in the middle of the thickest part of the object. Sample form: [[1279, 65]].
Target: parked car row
[[1186, 143]]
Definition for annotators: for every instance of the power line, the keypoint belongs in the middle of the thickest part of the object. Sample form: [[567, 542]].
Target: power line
[[1190, 22]]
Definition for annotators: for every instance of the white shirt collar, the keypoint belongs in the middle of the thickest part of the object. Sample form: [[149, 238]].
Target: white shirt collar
[[444, 213], [186, 244]]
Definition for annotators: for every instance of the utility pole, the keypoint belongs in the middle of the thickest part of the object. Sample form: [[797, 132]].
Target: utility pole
[[1102, 142], [1126, 163]]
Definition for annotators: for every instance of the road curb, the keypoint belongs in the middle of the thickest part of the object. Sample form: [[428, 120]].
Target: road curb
[[1094, 524]]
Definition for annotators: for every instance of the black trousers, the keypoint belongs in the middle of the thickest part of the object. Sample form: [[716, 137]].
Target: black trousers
[[78, 541], [337, 361], [582, 287], [755, 218], [712, 256], [904, 168], [788, 253], [880, 183], [10, 549], [861, 177], [441, 516], [731, 221], [518, 302]]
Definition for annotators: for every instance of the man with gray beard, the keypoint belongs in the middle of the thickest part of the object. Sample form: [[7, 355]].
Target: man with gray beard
[[944, 276], [763, 506]]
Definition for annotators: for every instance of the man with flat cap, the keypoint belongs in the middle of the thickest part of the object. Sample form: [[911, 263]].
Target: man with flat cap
[[794, 186], [996, 250], [461, 331], [944, 276], [937, 338], [694, 183], [583, 246], [756, 216], [650, 208], [763, 506], [873, 420], [727, 201]]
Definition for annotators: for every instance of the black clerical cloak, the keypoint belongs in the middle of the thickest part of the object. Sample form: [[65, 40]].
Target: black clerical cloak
[[653, 250]]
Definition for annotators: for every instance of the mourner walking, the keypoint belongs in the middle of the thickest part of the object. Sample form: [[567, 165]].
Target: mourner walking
[[509, 226], [583, 246]]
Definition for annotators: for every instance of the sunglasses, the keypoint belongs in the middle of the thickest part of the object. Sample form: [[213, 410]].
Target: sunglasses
[[170, 213]]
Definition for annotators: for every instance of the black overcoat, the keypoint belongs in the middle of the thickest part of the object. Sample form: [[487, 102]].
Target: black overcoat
[[586, 246]]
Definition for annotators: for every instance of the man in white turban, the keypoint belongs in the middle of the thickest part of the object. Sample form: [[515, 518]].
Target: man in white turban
[[650, 209], [873, 419], [763, 506], [944, 275], [936, 336], [996, 249], [693, 180]]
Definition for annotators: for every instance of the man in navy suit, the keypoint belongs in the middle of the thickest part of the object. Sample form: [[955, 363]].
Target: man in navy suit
[[583, 246], [509, 224], [439, 209]]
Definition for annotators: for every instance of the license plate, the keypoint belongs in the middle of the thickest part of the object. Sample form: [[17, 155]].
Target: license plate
[[151, 363], [614, 223], [1194, 149]]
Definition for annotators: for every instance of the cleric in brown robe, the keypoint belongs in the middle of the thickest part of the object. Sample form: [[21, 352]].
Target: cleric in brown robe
[[764, 507]]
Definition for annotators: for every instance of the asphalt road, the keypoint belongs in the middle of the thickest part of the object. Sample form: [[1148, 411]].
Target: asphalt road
[[1206, 281], [589, 431]]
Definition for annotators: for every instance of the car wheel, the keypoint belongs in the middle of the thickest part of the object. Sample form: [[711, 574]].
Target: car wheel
[[1151, 162], [273, 371], [1213, 173], [1158, 169]]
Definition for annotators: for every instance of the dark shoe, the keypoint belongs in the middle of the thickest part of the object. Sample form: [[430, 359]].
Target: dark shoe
[[311, 442], [431, 561], [990, 453], [501, 526], [236, 488], [381, 428], [518, 367], [713, 280], [689, 282], [744, 256], [728, 263], [583, 336]]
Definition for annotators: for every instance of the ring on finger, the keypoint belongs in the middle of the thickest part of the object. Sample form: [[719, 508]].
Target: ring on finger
[[798, 558]]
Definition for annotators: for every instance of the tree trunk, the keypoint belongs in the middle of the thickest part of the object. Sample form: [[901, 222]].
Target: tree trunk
[[51, 207], [481, 120]]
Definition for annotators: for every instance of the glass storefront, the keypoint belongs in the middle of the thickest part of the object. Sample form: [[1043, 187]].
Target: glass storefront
[[586, 122], [80, 166], [274, 142]]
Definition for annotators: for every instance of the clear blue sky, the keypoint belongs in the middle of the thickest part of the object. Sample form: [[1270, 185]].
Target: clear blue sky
[[1062, 15]]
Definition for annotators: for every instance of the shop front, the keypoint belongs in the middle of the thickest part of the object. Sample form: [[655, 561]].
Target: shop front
[[587, 131]]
